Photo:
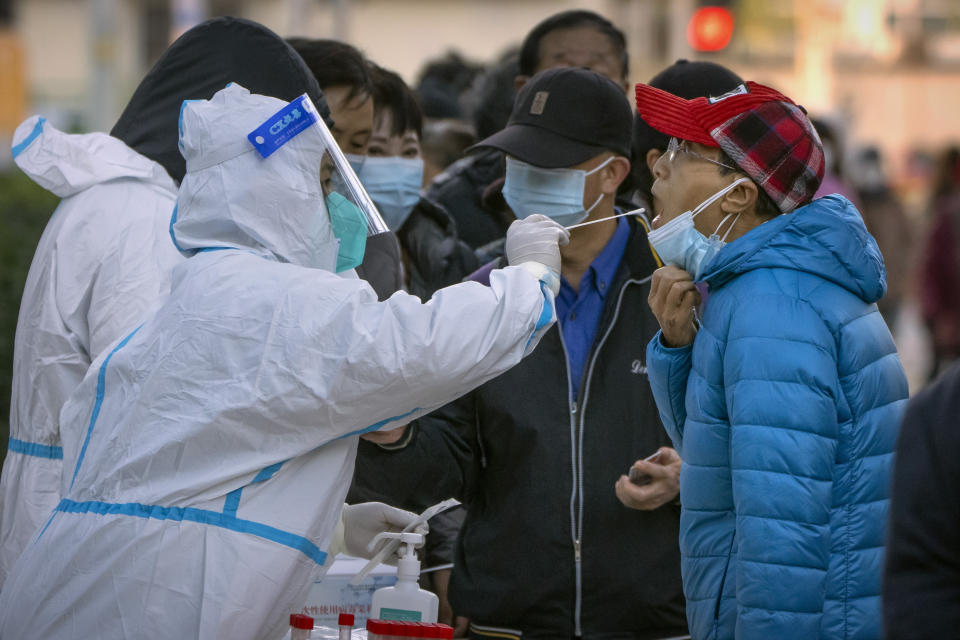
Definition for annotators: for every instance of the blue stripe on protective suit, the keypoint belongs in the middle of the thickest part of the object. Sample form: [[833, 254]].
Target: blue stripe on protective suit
[[180, 122], [101, 383], [267, 472], [37, 130], [232, 502], [173, 221], [546, 313], [34, 449], [202, 516]]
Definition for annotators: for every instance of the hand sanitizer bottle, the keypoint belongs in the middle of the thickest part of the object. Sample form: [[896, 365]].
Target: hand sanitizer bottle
[[405, 600]]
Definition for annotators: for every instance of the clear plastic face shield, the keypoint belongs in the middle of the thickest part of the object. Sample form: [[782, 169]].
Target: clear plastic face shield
[[353, 216]]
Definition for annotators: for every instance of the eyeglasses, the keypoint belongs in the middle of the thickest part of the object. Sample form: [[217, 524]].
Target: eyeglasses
[[680, 146]]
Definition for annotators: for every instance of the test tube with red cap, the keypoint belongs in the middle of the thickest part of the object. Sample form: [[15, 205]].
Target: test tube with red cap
[[374, 629], [345, 622], [300, 626], [438, 630], [379, 629]]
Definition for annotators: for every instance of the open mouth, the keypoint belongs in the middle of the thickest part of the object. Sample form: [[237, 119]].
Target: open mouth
[[655, 205]]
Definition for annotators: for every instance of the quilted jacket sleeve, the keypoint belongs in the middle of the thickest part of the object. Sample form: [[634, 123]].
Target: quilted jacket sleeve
[[668, 369], [781, 387]]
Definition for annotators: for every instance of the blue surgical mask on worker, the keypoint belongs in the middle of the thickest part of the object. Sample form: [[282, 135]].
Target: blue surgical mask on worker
[[679, 243], [556, 193], [394, 186], [350, 228]]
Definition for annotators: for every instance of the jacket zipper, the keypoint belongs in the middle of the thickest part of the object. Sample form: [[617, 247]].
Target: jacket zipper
[[574, 494], [576, 441]]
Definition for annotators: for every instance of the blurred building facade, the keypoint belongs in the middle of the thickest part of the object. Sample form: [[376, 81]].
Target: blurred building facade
[[888, 71]]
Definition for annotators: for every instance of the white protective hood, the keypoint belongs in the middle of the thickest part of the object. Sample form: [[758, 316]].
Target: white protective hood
[[233, 197], [66, 164], [102, 261], [207, 454]]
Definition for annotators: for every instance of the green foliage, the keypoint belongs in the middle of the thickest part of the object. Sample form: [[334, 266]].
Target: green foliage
[[24, 211]]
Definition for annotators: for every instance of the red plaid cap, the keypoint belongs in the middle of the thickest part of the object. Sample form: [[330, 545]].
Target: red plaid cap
[[769, 137]]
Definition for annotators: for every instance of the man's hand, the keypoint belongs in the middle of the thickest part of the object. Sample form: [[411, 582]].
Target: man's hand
[[672, 299], [664, 486], [385, 437], [461, 627]]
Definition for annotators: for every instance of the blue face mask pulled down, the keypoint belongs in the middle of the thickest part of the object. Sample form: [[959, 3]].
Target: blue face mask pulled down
[[350, 227], [556, 193], [679, 243], [394, 186]]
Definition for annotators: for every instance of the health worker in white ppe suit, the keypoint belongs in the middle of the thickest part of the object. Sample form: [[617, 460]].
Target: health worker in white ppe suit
[[105, 257], [209, 451]]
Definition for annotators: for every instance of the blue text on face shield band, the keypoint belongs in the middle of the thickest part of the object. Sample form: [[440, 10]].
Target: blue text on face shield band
[[202, 516], [283, 126], [37, 130], [33, 449]]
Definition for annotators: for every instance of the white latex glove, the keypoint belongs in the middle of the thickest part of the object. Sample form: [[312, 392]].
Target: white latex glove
[[537, 239], [360, 524]]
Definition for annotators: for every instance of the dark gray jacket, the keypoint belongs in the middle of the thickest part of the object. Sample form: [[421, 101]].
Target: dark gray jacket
[[547, 548], [435, 255], [470, 190], [921, 587]]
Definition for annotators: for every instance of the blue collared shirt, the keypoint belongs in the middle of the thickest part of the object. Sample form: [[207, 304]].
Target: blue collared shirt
[[578, 312]]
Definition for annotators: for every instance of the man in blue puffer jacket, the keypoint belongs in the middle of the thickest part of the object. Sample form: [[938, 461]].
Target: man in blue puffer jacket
[[774, 373]]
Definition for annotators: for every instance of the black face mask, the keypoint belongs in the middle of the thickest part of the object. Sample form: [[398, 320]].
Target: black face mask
[[201, 62]]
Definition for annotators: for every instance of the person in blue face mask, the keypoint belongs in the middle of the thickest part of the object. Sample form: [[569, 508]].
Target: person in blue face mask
[[344, 75], [392, 170], [433, 257], [471, 187], [543, 448], [774, 372], [392, 173]]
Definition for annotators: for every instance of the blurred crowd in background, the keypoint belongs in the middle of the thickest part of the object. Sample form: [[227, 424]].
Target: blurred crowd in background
[[877, 75]]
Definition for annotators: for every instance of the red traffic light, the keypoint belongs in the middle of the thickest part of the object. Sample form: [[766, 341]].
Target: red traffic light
[[710, 29]]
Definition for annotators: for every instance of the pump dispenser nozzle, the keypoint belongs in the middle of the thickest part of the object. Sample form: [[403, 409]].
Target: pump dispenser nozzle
[[408, 566], [394, 538], [405, 600]]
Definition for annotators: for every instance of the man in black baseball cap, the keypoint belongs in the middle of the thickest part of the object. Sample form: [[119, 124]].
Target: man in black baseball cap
[[547, 550], [470, 189], [567, 143], [565, 116]]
